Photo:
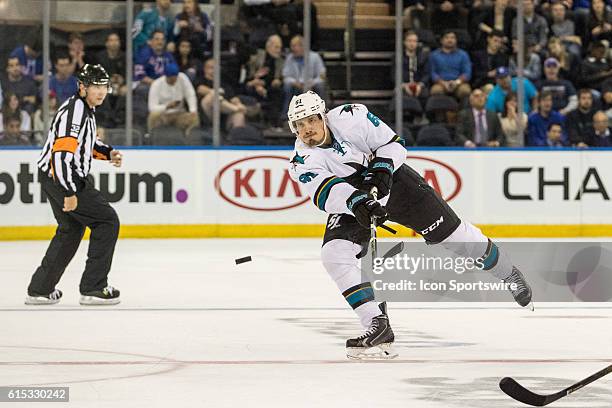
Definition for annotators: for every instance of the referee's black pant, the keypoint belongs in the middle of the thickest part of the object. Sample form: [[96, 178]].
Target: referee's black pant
[[92, 211]]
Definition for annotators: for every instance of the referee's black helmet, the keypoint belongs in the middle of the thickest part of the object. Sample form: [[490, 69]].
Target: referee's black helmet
[[93, 75]]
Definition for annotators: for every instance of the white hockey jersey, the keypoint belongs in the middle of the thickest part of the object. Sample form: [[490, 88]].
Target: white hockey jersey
[[357, 137]]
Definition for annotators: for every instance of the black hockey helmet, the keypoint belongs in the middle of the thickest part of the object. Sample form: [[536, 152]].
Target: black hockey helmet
[[93, 75]]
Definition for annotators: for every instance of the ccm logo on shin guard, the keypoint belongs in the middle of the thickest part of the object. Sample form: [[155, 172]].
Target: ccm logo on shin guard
[[433, 226]]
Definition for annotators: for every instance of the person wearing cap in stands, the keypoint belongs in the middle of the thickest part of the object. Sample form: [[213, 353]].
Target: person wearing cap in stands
[[506, 84]]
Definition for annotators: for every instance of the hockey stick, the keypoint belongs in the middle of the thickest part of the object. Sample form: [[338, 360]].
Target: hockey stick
[[372, 244], [522, 394]]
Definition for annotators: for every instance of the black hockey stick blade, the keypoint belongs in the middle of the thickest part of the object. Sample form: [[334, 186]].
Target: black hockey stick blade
[[522, 394], [394, 251]]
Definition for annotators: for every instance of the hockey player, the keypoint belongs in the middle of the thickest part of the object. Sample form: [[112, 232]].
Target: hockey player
[[339, 157]]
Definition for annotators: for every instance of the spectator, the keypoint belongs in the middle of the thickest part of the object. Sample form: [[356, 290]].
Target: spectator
[[535, 27], [12, 134], [512, 126], [415, 70], [187, 62], [596, 68], [506, 84], [10, 107], [113, 60], [153, 59], [580, 121], [264, 81], [63, 83], [601, 136], [600, 22], [488, 60], [294, 79], [448, 14], [606, 96], [30, 58], [193, 25], [564, 29], [477, 126], [16, 82], [167, 98], [569, 64], [76, 50], [232, 108], [499, 17], [563, 92], [40, 131], [150, 20], [554, 136], [533, 63], [451, 69], [538, 124]]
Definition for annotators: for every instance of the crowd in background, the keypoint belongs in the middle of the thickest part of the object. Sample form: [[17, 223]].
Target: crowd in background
[[460, 68]]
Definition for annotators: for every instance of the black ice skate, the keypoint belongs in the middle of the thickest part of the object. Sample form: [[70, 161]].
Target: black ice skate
[[106, 296], [376, 342], [522, 294], [38, 299]]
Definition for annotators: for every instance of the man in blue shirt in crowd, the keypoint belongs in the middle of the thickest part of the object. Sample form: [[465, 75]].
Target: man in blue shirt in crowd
[[505, 84], [30, 58], [540, 122], [451, 68], [152, 60], [63, 82]]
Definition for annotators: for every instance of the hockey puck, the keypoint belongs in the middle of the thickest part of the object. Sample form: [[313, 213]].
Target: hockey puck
[[243, 260]]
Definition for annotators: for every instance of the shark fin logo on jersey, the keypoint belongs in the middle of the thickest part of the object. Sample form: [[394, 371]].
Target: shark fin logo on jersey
[[307, 177], [339, 147], [297, 159], [374, 119], [349, 109]]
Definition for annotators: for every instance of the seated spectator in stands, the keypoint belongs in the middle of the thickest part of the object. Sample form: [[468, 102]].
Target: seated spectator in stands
[[569, 64], [150, 20], [264, 79], [600, 22], [11, 107], [538, 124], [39, 128], [477, 126], [562, 90], [12, 135], [167, 98], [499, 17], [415, 70], [512, 126], [564, 28], [580, 121], [193, 25], [535, 27], [606, 97], [76, 50], [113, 60], [187, 62], [554, 136], [506, 84], [294, 71], [601, 135], [152, 60], [451, 69], [63, 83], [30, 58], [24, 87], [595, 69], [533, 63], [232, 108], [448, 14], [486, 61]]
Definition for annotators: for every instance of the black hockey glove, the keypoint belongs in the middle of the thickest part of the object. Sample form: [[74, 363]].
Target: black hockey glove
[[364, 207], [380, 175]]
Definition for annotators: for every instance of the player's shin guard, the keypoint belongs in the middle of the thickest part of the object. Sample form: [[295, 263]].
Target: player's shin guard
[[469, 241], [339, 259]]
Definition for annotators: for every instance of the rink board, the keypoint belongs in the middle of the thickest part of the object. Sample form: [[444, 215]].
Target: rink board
[[185, 192]]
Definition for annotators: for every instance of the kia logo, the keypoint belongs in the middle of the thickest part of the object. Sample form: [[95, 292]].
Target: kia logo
[[259, 183], [442, 177]]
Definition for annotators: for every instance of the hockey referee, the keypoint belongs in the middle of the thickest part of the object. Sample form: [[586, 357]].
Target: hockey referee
[[63, 171]]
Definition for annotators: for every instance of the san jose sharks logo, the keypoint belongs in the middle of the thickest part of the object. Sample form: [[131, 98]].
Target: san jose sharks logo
[[340, 147], [349, 109], [297, 159]]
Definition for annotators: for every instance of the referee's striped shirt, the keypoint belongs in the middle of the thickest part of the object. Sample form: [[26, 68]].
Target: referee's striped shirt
[[71, 144]]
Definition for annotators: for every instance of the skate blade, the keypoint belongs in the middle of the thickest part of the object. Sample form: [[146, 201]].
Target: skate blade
[[383, 351], [530, 306], [95, 301], [38, 300]]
